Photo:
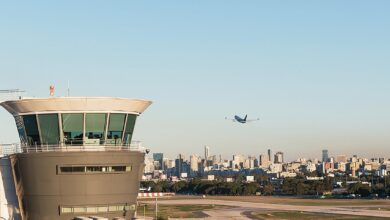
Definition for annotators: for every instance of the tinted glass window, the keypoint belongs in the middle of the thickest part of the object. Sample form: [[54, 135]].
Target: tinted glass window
[[78, 169], [129, 128], [20, 127], [31, 127], [94, 169], [66, 169], [72, 125], [118, 168], [115, 129], [94, 128], [48, 124]]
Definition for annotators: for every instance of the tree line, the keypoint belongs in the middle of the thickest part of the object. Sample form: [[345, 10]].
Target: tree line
[[265, 185]]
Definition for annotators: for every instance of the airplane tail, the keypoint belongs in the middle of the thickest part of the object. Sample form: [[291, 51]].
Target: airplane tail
[[245, 117]]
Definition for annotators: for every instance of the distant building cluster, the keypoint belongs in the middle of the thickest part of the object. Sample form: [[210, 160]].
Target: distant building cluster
[[274, 165]]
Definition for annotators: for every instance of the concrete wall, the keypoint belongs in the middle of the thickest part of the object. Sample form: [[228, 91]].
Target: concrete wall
[[42, 190], [9, 207]]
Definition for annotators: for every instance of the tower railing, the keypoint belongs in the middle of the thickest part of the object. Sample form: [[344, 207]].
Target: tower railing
[[7, 149]]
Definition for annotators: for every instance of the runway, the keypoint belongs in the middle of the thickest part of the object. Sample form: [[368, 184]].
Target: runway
[[240, 207]]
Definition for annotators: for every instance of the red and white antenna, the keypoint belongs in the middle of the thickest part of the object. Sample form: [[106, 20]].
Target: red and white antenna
[[51, 90]]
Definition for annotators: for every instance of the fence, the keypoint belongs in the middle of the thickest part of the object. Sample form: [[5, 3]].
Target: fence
[[7, 149]]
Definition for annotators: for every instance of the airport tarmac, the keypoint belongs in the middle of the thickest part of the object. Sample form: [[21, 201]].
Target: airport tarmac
[[240, 207]]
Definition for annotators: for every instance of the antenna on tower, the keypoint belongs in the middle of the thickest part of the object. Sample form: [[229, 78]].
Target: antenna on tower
[[68, 90], [51, 90]]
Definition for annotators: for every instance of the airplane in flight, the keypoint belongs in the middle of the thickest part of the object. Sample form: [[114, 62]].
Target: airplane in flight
[[242, 120]]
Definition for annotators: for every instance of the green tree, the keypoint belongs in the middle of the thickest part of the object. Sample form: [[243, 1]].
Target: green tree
[[179, 186], [235, 188], [302, 189], [268, 190], [157, 187], [359, 188], [250, 188]]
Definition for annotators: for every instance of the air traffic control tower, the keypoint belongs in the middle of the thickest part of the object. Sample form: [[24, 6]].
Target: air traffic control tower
[[77, 160]]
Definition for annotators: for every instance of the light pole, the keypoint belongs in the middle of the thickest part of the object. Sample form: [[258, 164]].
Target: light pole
[[136, 209], [144, 210], [156, 208]]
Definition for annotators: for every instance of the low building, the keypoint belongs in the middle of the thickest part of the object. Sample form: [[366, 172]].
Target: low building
[[250, 179], [287, 174], [229, 180], [210, 177]]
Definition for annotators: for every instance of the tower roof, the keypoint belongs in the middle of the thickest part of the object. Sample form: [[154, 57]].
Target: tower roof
[[69, 104]]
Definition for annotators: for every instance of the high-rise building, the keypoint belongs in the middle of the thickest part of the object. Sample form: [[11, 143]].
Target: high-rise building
[[252, 161], [76, 158], [213, 159], [269, 155], [168, 164], [264, 162], [194, 162], [206, 152], [149, 165], [341, 158], [256, 162], [238, 161], [325, 155], [340, 166], [159, 157], [202, 166], [279, 157], [249, 162], [179, 165]]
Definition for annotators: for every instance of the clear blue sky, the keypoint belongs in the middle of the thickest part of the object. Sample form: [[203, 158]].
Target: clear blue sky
[[317, 73]]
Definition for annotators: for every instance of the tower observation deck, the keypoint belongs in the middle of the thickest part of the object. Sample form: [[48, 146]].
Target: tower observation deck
[[76, 157]]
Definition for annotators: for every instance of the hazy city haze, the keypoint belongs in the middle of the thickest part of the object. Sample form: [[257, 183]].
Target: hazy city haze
[[315, 73]]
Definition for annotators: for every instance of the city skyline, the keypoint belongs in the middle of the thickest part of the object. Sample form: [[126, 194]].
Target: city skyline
[[266, 154], [316, 74], [183, 167]]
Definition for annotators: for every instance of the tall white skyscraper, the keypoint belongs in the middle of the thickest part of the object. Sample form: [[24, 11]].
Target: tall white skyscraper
[[194, 162], [206, 152]]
